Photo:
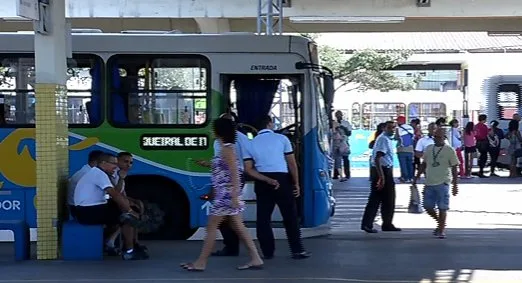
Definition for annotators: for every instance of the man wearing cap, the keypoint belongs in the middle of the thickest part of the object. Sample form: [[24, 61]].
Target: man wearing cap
[[405, 136]]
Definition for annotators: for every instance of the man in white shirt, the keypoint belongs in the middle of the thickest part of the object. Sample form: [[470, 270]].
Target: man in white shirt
[[92, 207], [425, 141], [91, 162], [271, 162]]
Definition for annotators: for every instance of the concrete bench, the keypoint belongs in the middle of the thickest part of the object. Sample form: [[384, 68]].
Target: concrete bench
[[82, 242], [22, 241]]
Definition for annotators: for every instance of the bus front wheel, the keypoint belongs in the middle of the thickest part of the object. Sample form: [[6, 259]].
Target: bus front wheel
[[166, 207]]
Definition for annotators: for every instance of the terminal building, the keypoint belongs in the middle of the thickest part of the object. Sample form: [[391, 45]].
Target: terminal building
[[459, 72]]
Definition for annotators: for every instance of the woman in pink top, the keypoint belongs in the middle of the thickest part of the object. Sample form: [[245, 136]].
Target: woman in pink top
[[470, 147]]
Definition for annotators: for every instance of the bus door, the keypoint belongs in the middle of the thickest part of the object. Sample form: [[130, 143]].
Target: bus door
[[253, 96]]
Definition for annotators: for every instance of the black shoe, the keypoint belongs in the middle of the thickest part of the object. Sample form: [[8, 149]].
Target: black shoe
[[268, 257], [134, 255], [483, 176], [225, 252], [369, 230], [391, 229], [301, 255]]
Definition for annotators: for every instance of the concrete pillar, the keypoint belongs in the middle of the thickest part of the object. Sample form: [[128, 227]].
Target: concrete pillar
[[52, 139], [213, 25]]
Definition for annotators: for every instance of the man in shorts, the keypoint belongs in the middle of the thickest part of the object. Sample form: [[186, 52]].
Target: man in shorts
[[92, 208], [440, 166]]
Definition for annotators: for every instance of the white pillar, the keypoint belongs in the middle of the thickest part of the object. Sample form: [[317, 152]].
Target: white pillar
[[52, 139], [50, 49], [213, 25]]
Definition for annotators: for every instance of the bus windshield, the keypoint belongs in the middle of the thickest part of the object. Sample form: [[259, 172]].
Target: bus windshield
[[322, 115]]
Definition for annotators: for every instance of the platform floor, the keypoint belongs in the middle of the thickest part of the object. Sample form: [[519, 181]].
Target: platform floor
[[483, 245]]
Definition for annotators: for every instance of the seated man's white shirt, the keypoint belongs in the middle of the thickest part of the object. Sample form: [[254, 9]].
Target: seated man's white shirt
[[73, 181], [92, 187]]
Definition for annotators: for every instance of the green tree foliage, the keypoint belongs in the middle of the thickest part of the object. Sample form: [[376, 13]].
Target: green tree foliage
[[365, 69]]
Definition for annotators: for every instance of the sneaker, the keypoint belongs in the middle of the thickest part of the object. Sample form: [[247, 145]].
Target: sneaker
[[134, 255]]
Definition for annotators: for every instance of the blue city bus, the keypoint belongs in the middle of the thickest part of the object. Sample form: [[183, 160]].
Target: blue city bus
[[155, 95]]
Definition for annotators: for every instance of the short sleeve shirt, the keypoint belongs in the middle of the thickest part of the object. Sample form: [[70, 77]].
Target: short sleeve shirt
[[383, 144], [91, 188], [268, 151], [73, 181], [439, 161]]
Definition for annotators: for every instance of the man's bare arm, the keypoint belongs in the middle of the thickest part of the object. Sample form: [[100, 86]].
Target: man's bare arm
[[122, 201], [378, 165], [252, 172]]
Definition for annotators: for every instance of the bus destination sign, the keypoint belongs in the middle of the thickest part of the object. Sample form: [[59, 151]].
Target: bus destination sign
[[174, 142]]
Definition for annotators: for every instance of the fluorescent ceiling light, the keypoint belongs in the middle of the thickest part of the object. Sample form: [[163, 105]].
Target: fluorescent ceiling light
[[504, 33], [346, 20]]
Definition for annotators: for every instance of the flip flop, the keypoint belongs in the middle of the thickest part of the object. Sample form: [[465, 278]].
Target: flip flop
[[190, 267], [250, 267]]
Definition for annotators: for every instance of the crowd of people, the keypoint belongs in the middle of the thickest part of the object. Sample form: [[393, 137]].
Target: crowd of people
[[441, 156], [97, 196]]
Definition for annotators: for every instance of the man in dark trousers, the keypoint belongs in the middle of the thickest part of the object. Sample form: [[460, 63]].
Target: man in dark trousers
[[382, 183], [481, 134], [271, 162]]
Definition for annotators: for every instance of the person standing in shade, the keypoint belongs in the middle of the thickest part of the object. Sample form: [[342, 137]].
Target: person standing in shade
[[440, 167], [495, 136], [346, 128], [382, 184], [481, 134], [271, 162]]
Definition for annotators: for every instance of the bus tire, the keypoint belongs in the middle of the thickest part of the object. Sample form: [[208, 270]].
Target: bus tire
[[166, 207]]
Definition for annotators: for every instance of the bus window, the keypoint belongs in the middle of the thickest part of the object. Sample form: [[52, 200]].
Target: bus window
[[375, 113], [158, 90], [508, 100], [426, 112], [84, 86], [356, 116]]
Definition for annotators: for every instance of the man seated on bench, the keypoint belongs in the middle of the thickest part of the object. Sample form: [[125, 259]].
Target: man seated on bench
[[125, 162], [73, 181], [92, 208]]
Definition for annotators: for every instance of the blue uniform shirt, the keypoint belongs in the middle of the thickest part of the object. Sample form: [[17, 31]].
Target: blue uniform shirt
[[268, 151], [383, 144], [242, 144]]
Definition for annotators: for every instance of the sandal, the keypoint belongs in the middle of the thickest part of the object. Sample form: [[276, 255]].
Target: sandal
[[249, 266], [190, 267]]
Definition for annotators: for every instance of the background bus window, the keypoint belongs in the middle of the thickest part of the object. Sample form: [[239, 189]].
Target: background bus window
[[356, 116], [151, 90], [508, 100], [375, 113], [426, 112], [84, 85]]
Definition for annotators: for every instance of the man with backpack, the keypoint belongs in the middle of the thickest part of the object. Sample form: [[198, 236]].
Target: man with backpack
[[405, 135]]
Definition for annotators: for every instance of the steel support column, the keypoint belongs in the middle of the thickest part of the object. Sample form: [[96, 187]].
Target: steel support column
[[270, 17]]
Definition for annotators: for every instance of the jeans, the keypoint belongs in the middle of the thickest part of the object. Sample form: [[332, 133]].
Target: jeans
[[406, 163]]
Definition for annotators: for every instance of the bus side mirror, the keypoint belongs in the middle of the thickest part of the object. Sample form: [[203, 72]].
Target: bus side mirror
[[329, 89]]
